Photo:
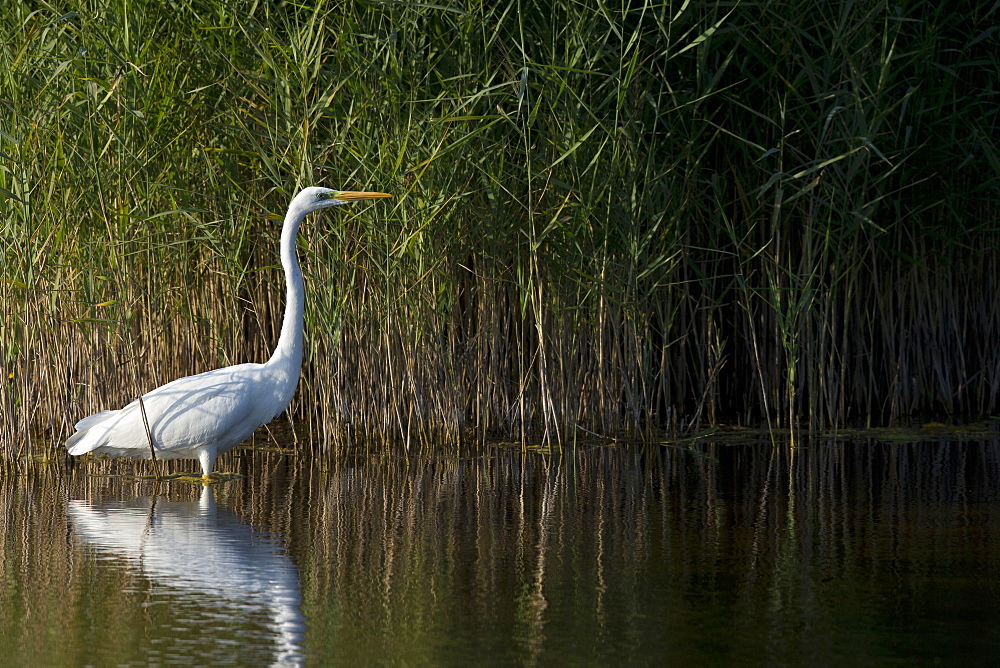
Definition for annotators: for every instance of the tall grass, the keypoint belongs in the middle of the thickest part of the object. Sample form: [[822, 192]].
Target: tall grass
[[608, 219]]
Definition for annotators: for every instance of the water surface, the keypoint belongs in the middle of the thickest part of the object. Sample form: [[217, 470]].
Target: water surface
[[857, 553]]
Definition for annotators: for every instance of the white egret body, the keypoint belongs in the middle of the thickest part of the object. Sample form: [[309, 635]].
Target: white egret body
[[208, 414]]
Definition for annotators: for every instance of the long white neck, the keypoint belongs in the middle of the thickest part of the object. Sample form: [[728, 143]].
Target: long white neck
[[288, 353]]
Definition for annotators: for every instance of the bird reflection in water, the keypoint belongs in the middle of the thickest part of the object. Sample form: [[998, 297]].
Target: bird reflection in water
[[205, 552]]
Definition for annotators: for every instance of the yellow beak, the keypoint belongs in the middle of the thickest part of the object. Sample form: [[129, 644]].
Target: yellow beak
[[352, 195]]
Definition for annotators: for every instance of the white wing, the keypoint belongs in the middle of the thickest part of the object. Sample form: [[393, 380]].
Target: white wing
[[221, 407]]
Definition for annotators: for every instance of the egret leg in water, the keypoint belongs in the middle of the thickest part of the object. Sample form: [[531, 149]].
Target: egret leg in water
[[201, 417]]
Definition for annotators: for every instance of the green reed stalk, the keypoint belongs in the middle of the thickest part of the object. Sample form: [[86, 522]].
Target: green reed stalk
[[629, 221]]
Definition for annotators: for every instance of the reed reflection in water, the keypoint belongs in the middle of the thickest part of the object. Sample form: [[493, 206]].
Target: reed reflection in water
[[831, 553]]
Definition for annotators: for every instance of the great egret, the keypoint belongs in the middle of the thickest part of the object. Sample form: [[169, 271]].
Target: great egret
[[208, 414]]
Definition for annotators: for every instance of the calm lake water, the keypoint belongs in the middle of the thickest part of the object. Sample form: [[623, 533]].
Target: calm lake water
[[830, 554]]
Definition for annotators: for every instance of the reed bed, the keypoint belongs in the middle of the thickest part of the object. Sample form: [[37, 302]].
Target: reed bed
[[634, 219]]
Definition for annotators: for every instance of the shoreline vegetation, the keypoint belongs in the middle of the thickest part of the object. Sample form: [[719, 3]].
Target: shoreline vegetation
[[634, 220]]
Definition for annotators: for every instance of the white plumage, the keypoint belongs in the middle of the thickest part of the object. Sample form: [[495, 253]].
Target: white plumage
[[208, 414]]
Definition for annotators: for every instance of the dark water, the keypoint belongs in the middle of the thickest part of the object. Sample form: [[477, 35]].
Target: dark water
[[832, 554]]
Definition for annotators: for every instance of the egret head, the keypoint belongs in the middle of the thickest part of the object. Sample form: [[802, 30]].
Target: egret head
[[312, 199]]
